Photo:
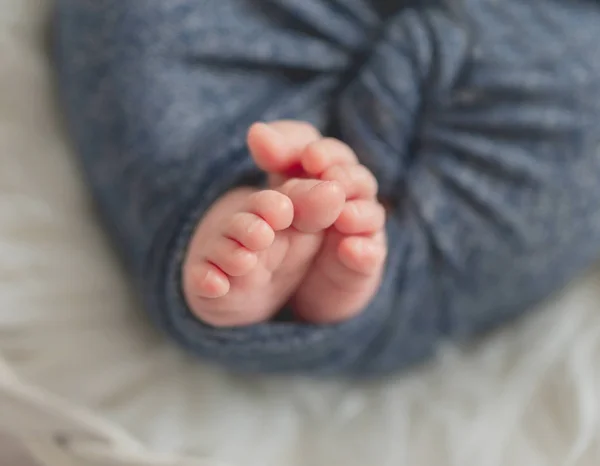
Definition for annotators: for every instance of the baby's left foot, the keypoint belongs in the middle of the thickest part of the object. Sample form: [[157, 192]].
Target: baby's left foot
[[347, 272]]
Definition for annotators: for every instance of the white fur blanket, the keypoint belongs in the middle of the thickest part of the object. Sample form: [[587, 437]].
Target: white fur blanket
[[529, 395]]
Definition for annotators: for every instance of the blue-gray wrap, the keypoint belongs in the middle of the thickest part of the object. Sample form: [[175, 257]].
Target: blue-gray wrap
[[480, 118]]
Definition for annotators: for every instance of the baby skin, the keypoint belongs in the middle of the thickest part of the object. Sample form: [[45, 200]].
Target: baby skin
[[314, 239]]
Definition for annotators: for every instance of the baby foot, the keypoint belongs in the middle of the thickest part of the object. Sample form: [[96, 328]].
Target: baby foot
[[347, 271], [252, 249]]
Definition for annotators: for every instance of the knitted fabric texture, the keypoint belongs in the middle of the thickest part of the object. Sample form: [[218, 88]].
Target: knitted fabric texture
[[480, 119]]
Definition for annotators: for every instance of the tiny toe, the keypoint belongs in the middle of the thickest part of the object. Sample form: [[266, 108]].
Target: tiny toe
[[324, 153], [204, 280], [361, 217], [251, 231], [266, 146], [274, 207], [357, 180], [276, 146], [232, 258], [317, 204], [364, 255], [298, 133]]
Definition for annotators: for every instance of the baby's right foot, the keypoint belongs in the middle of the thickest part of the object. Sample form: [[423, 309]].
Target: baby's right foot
[[253, 248], [347, 272]]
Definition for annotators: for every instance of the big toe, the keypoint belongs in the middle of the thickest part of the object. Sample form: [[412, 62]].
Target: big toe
[[317, 204], [276, 146]]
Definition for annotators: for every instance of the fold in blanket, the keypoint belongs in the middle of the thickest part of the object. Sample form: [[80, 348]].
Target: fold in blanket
[[480, 118]]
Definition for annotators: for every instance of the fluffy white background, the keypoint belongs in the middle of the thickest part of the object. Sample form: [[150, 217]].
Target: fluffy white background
[[529, 395]]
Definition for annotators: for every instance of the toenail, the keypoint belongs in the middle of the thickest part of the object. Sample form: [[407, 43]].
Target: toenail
[[209, 277], [254, 225], [333, 185], [274, 132], [243, 255], [279, 203], [359, 247], [354, 210], [369, 248]]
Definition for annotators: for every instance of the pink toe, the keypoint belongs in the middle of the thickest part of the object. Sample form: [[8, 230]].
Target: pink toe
[[251, 231], [364, 255], [232, 258], [324, 153], [317, 204], [361, 217], [266, 144], [357, 180], [273, 207], [206, 281]]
